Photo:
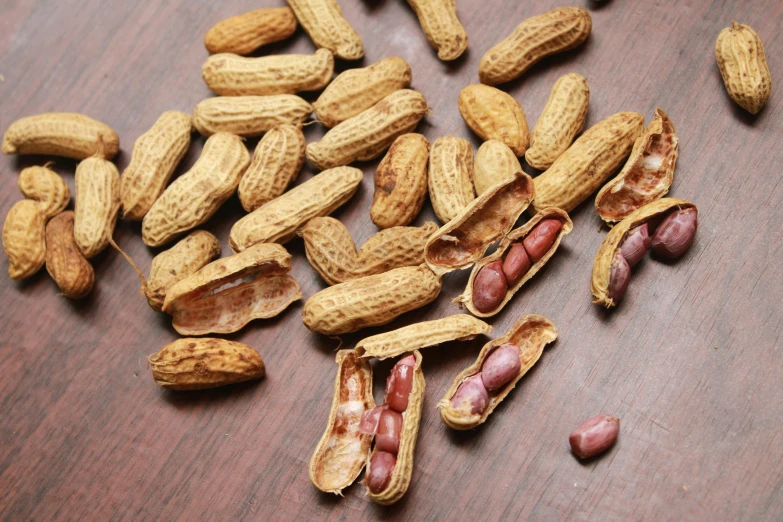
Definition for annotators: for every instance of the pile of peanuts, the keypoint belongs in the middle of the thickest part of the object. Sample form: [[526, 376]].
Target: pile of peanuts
[[368, 111]]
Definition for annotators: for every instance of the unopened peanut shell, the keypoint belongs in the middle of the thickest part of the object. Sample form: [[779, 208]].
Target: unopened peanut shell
[[65, 134]]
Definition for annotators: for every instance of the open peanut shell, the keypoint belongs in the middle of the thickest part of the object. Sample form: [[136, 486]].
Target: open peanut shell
[[602, 265], [228, 293], [531, 333], [515, 236], [646, 176], [463, 240], [342, 452], [411, 417], [460, 327]]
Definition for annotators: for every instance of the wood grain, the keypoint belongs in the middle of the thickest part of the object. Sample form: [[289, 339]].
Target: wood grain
[[691, 361]]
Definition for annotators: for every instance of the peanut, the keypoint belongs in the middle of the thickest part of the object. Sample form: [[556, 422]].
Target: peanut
[[636, 245], [516, 264], [444, 32], [370, 301], [379, 471], [45, 186], [342, 452], [530, 334], [196, 195], [249, 116], [399, 385], [541, 238], [388, 436], [369, 133], [171, 266], [494, 115], [243, 34], [198, 364], [743, 66], [500, 367], [64, 134], [332, 252], [64, 261], [675, 234], [156, 155], [563, 118], [401, 182], [646, 176], [460, 327], [494, 163], [323, 20], [552, 32], [619, 277], [580, 170], [277, 160], [278, 220], [594, 436], [450, 176], [489, 287], [356, 90], [232, 75], [97, 184], [24, 241]]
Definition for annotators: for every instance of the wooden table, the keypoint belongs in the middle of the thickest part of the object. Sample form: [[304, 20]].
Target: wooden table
[[691, 361]]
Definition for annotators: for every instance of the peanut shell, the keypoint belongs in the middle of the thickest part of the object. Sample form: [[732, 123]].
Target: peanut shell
[[743, 66], [450, 178], [249, 116], [244, 33], [444, 32], [65, 134], [24, 240], [45, 186], [97, 184], [531, 333], [64, 261], [494, 163], [494, 115], [324, 22]]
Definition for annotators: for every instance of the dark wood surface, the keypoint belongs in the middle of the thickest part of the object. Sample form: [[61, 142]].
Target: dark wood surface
[[691, 361]]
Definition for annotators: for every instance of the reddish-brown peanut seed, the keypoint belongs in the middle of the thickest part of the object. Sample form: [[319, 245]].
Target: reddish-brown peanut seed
[[380, 471], [399, 385], [471, 397], [387, 438], [636, 245], [516, 264], [489, 287], [500, 367], [594, 436], [619, 278], [675, 234], [540, 239]]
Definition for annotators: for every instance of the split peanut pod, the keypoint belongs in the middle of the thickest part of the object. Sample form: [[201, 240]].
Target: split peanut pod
[[511, 265], [562, 119], [494, 115], [468, 401], [450, 176], [201, 363], [584, 167], [463, 240], [401, 182], [552, 32], [24, 240], [369, 133], [494, 163], [323, 20], [277, 160], [278, 220], [460, 327], [356, 90], [332, 252], [97, 184], [64, 261], [184, 259], [232, 75], [629, 240], [444, 32], [342, 452], [195, 196], [46, 187], [743, 66], [646, 176], [243, 34], [65, 134], [370, 301], [249, 116], [200, 303], [156, 155]]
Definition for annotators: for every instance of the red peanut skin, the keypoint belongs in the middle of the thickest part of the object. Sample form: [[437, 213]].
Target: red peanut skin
[[541, 238], [636, 245], [594, 436], [675, 234], [471, 396], [489, 287], [399, 385], [500, 367], [619, 278], [388, 436], [516, 264], [380, 471]]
